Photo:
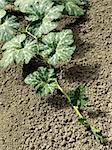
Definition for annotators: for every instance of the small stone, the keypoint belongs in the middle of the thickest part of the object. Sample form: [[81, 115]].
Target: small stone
[[1, 103]]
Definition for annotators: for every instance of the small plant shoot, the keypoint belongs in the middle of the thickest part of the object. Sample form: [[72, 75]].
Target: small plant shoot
[[28, 30]]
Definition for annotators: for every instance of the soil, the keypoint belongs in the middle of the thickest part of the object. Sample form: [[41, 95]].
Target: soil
[[30, 123]]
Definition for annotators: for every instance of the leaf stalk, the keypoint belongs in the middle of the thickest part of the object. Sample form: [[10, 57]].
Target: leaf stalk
[[29, 33]]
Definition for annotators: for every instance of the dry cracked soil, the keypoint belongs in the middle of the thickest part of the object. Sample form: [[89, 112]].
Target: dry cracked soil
[[31, 123]]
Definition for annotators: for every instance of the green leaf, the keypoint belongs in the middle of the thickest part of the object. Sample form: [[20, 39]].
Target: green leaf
[[84, 122], [43, 80], [57, 2], [18, 50], [78, 97], [2, 4], [80, 2], [23, 5], [45, 15], [73, 9], [38, 11], [8, 0], [8, 28], [2, 13], [98, 135], [57, 46]]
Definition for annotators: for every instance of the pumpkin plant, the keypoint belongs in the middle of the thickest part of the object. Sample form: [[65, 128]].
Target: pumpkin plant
[[35, 34]]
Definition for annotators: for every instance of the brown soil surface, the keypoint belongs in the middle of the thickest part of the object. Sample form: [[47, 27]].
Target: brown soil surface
[[30, 123]]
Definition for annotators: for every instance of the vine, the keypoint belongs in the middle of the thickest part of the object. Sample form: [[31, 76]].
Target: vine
[[39, 37]]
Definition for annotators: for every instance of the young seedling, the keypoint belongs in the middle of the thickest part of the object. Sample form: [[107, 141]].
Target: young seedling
[[44, 81], [39, 37]]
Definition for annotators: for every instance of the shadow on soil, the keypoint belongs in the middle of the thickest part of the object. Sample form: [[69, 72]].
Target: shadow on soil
[[82, 47], [32, 66], [81, 73], [96, 114], [57, 101]]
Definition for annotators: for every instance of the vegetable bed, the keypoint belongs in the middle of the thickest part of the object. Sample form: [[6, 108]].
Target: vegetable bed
[[28, 122]]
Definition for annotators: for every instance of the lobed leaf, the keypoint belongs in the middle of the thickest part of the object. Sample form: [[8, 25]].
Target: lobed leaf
[[8, 28], [2, 11], [73, 9], [84, 122], [45, 15], [18, 50], [2, 4], [38, 10], [43, 80], [9, 1], [98, 135], [57, 2], [57, 46], [80, 2], [78, 97], [23, 5]]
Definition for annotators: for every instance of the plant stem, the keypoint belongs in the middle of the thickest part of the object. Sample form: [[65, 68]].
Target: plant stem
[[77, 111], [30, 33], [37, 44], [66, 95], [69, 101], [95, 131]]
